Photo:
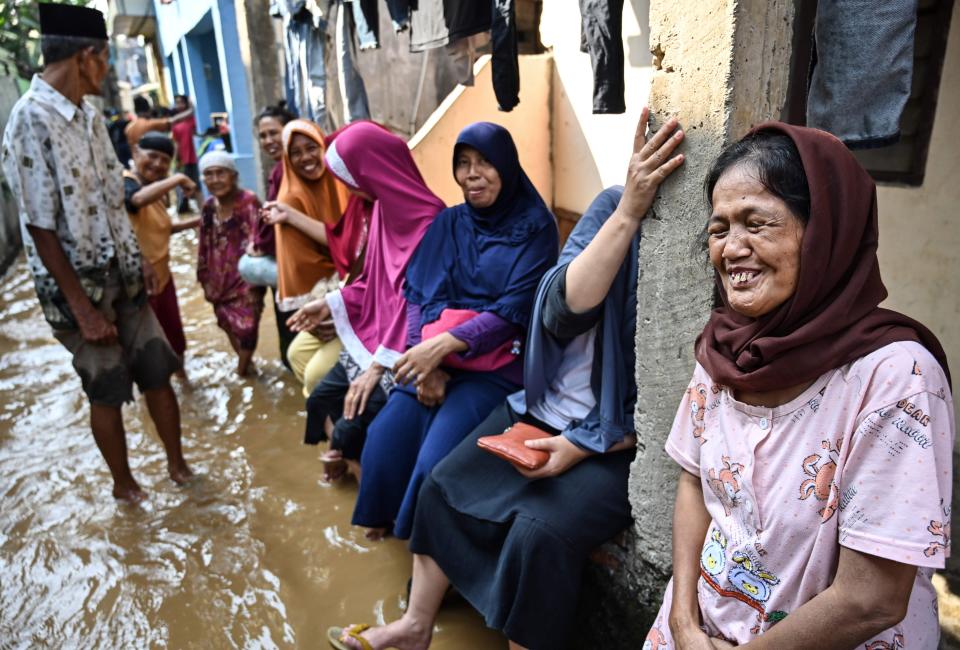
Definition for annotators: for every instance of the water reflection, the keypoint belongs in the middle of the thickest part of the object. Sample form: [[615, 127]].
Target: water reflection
[[257, 553]]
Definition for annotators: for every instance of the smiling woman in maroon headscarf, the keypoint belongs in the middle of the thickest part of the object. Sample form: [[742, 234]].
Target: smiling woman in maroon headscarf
[[816, 436]]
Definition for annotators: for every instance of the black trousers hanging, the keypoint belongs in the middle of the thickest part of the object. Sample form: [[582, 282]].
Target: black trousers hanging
[[602, 36]]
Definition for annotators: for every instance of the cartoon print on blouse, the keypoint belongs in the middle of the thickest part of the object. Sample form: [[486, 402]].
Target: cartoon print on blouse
[[916, 369], [895, 644], [752, 583], [655, 639], [726, 484], [713, 557], [698, 409], [940, 529], [821, 469]]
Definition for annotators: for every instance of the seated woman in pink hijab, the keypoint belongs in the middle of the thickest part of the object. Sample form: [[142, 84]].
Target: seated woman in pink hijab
[[369, 315]]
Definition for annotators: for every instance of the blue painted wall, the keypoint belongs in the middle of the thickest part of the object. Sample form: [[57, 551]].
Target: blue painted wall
[[201, 49]]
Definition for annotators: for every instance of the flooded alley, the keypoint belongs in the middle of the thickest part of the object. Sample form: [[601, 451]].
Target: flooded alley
[[257, 553]]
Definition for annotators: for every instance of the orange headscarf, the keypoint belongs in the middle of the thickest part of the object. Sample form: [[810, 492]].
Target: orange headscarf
[[302, 261]]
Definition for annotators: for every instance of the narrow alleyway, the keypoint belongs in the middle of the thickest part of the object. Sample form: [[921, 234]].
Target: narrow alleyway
[[257, 553]]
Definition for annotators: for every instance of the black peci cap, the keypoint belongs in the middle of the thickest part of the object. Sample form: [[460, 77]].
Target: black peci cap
[[70, 20]]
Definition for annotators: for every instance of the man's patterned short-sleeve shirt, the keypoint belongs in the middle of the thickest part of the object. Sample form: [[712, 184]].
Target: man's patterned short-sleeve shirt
[[64, 173]]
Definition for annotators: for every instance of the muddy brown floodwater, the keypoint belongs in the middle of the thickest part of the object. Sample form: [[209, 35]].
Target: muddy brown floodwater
[[258, 553]]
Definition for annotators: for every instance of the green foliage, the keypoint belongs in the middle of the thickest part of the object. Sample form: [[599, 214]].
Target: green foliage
[[20, 35]]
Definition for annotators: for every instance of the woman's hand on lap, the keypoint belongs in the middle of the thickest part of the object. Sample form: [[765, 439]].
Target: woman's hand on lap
[[313, 315], [649, 165], [433, 389], [563, 455], [422, 359], [691, 637], [361, 388]]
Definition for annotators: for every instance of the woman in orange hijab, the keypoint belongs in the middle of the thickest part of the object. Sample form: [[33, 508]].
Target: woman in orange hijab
[[310, 199]]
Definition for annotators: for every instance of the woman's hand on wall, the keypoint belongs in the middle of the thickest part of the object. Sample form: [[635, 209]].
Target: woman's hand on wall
[[563, 455], [361, 388], [422, 359], [649, 165]]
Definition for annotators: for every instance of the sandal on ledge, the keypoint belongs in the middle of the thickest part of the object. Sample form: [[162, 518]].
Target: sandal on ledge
[[353, 631]]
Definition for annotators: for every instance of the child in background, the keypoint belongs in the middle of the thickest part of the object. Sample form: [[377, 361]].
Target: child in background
[[229, 221]]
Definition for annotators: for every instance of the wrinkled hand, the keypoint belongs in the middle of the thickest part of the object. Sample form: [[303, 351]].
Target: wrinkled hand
[[253, 251], [423, 358], [274, 212], [150, 280], [187, 186], [94, 327], [433, 389], [649, 165], [691, 637], [361, 388], [563, 455], [312, 317]]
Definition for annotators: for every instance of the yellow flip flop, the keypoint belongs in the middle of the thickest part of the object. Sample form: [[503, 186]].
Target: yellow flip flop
[[354, 631]]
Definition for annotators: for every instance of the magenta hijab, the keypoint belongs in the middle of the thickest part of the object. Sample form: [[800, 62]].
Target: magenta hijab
[[371, 312]]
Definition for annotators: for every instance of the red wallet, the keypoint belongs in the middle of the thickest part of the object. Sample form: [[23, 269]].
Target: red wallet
[[509, 446]]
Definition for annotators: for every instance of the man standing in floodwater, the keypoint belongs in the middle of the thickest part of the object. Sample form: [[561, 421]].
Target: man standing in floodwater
[[82, 251]]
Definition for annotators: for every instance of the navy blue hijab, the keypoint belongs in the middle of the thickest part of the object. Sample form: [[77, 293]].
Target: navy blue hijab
[[488, 259]]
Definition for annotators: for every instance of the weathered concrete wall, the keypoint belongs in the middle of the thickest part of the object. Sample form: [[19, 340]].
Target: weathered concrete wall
[[432, 146], [722, 65], [920, 237], [265, 76]]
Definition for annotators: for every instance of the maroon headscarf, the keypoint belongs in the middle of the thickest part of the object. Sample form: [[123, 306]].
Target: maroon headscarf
[[833, 316]]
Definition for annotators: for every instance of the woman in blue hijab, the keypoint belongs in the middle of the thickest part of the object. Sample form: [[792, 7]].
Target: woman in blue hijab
[[511, 541], [469, 287]]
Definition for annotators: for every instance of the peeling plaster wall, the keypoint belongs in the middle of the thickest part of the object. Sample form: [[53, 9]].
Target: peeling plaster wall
[[722, 66]]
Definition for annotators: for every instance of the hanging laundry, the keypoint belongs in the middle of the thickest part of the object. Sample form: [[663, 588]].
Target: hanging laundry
[[436, 23], [366, 19], [305, 25], [863, 70], [353, 93], [505, 65], [463, 54], [601, 34]]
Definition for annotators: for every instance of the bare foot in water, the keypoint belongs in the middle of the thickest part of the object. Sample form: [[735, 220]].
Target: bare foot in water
[[180, 473], [334, 466], [404, 634], [132, 494], [375, 534], [353, 466]]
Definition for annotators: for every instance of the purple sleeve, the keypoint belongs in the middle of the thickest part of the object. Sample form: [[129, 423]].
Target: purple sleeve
[[485, 332], [413, 324]]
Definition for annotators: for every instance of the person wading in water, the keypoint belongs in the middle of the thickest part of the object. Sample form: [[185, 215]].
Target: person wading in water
[[83, 254]]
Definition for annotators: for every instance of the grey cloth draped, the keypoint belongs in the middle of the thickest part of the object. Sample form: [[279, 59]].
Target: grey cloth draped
[[864, 69]]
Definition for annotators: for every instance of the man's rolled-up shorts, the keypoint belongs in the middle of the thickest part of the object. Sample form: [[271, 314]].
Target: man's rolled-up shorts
[[140, 354]]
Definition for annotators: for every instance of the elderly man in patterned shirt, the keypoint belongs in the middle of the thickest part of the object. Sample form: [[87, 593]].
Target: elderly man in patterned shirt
[[82, 251]]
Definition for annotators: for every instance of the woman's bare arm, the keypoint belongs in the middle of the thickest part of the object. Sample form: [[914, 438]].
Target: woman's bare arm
[[869, 595]]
